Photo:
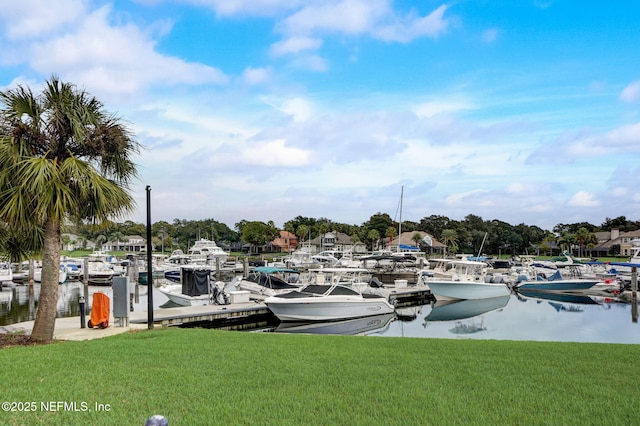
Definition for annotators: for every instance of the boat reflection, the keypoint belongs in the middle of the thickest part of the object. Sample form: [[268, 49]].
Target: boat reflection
[[561, 302], [577, 298], [357, 326], [461, 309]]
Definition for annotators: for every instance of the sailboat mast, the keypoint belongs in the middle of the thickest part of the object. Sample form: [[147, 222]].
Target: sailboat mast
[[400, 222]]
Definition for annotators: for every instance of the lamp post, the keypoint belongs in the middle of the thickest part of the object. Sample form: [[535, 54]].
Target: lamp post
[[149, 264]]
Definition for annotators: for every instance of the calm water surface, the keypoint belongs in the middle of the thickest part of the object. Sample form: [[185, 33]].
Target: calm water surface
[[515, 317]]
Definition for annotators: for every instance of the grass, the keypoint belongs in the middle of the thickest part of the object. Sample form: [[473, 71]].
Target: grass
[[198, 377]]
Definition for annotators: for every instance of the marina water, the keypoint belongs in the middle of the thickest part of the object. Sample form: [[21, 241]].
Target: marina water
[[598, 319]]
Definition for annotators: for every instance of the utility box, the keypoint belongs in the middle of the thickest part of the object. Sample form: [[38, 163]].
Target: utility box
[[121, 301], [239, 296]]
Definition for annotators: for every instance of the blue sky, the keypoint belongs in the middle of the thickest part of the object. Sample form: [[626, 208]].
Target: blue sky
[[523, 111]]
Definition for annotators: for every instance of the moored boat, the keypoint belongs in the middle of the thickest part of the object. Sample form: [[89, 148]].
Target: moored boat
[[557, 282], [468, 280], [195, 288], [6, 273], [269, 281], [326, 302]]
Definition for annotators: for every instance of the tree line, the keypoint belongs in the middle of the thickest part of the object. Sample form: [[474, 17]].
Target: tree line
[[468, 235]]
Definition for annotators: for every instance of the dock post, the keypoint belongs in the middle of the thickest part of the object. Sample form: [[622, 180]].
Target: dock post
[[217, 268], [634, 294], [85, 270]]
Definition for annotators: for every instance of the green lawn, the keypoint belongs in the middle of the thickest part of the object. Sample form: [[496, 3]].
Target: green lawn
[[206, 377]]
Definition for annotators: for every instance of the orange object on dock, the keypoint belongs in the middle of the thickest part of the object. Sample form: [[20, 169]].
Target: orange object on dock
[[100, 311]]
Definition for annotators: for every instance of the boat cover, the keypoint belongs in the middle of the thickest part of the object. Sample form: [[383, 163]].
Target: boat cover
[[100, 311], [195, 282]]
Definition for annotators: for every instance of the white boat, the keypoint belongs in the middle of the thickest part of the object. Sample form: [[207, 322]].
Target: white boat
[[195, 288], [116, 266], [326, 302], [62, 276], [74, 268], [205, 251], [269, 281], [327, 257], [557, 283], [300, 258], [359, 279], [6, 273], [468, 281], [99, 272]]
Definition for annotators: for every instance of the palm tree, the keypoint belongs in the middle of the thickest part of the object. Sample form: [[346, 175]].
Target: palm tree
[[62, 156], [417, 238], [449, 237]]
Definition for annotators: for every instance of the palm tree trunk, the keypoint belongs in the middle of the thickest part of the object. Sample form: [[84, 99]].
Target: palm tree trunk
[[48, 303]]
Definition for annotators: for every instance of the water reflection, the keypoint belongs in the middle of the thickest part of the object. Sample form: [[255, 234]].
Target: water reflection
[[352, 326], [541, 317], [455, 310], [20, 303], [522, 316]]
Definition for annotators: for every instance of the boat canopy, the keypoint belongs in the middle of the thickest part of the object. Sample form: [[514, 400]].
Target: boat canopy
[[195, 282], [274, 270]]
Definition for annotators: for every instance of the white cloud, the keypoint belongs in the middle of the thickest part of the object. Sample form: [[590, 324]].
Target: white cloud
[[275, 154], [631, 93], [430, 109], [359, 17], [298, 108], [346, 16], [407, 28], [110, 60], [256, 75], [583, 199], [32, 19], [490, 35], [295, 45], [586, 143]]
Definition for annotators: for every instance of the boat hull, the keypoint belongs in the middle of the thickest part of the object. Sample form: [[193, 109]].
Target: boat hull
[[326, 309], [558, 285], [174, 293], [461, 290]]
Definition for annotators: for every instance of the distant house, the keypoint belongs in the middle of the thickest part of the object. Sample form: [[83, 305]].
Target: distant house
[[336, 241], [614, 243], [427, 243], [285, 243], [130, 244]]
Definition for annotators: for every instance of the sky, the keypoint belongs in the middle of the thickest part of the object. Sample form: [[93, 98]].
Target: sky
[[523, 111]]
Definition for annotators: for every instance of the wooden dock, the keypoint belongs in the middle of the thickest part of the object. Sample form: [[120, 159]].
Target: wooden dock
[[252, 312], [198, 314]]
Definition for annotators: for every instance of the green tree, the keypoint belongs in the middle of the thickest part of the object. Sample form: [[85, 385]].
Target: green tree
[[301, 232], [19, 245], [449, 239], [259, 233], [417, 238], [61, 156], [585, 239], [373, 236]]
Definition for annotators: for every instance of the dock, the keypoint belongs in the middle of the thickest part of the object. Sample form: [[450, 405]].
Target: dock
[[236, 316], [183, 315]]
